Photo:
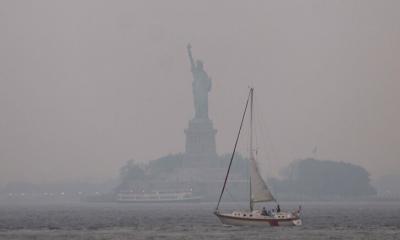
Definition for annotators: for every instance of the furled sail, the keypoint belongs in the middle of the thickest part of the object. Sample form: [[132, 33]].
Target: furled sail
[[259, 189]]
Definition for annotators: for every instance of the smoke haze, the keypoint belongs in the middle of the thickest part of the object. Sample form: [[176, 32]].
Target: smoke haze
[[87, 85]]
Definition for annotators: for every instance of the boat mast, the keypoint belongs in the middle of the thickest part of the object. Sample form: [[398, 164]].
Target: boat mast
[[234, 151], [250, 201], [251, 140]]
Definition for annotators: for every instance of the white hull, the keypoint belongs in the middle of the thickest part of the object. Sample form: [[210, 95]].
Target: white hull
[[256, 219], [149, 200], [156, 197]]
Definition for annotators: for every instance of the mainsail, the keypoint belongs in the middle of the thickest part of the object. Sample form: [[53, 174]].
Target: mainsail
[[259, 189]]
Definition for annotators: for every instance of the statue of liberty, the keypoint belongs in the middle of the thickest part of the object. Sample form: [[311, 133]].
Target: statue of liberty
[[201, 86]]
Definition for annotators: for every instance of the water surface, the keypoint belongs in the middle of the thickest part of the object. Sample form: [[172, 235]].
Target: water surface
[[321, 220]]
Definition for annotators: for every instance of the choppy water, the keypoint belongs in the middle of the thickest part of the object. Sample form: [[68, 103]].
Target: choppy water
[[342, 220]]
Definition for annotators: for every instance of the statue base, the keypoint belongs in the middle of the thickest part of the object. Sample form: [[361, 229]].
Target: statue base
[[200, 149]]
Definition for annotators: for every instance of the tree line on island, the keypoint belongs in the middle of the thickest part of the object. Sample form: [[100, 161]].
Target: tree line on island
[[323, 179], [301, 179]]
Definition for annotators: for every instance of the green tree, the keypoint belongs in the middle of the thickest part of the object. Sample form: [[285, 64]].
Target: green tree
[[132, 171]]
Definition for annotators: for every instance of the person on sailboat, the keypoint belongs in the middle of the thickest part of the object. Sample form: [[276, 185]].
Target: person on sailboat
[[264, 212], [278, 209], [299, 210]]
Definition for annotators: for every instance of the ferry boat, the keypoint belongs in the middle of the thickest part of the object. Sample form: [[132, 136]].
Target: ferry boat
[[157, 196]]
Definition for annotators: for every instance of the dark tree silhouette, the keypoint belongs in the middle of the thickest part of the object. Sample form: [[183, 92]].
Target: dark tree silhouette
[[318, 178]]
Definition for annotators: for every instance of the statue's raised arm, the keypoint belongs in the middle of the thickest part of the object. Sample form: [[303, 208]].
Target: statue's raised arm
[[201, 86], [189, 48]]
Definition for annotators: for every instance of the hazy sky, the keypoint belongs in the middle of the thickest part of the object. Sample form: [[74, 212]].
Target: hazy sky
[[87, 85]]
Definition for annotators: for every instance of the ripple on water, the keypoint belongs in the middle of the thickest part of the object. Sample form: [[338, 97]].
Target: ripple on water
[[191, 221]]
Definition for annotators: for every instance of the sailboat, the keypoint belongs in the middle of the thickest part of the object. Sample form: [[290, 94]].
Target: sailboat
[[259, 191]]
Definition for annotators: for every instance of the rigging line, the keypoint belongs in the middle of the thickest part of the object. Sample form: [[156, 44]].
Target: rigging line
[[263, 142], [262, 139], [234, 150], [227, 190], [256, 133], [273, 152], [233, 199]]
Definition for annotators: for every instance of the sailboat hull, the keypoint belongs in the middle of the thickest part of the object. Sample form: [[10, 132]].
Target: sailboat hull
[[235, 219]]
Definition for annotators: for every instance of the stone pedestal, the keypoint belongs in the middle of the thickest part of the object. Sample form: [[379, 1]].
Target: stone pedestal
[[200, 149]]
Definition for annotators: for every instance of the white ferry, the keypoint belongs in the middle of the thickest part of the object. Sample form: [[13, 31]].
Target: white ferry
[[157, 196]]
